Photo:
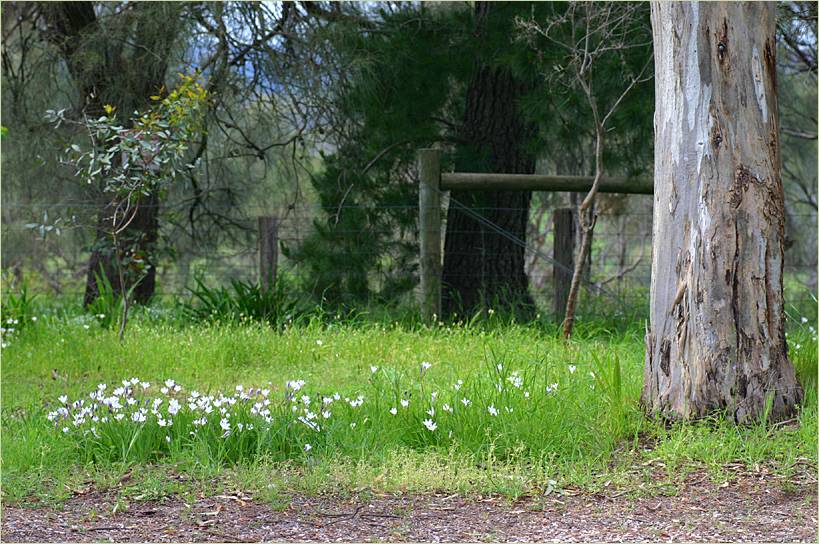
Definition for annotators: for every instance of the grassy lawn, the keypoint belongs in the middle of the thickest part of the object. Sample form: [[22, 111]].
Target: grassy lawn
[[501, 409]]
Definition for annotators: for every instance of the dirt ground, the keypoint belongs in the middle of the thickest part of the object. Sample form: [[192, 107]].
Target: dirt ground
[[745, 509]]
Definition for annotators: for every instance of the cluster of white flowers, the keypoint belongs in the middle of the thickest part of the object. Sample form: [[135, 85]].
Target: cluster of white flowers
[[181, 414], [8, 330], [130, 402], [515, 380]]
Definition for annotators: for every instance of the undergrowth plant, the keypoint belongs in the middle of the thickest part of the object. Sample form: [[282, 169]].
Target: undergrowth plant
[[139, 421], [242, 301]]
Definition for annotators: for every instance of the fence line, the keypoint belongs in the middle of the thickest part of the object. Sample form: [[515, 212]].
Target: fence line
[[621, 255]]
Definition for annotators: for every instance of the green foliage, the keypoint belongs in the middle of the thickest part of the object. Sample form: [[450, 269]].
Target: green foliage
[[131, 162], [407, 90], [137, 159], [107, 307], [16, 312], [242, 301], [17, 306], [364, 248]]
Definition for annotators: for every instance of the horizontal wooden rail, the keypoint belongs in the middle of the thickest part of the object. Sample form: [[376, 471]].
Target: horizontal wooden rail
[[534, 182]]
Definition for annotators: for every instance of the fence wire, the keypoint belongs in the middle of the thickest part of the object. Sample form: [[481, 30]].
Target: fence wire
[[618, 279]]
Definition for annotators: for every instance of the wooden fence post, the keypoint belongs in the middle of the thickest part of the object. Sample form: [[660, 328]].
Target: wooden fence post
[[563, 255], [268, 250], [429, 214]]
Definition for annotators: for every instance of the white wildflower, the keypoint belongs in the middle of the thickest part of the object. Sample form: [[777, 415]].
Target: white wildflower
[[515, 380], [393, 410], [429, 424], [572, 368], [492, 410], [295, 385]]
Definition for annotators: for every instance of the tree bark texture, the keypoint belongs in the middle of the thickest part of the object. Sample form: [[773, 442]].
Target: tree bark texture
[[716, 340], [105, 74], [483, 268]]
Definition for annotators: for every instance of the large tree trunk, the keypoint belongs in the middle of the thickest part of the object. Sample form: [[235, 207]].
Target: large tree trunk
[[127, 83], [483, 268], [717, 338]]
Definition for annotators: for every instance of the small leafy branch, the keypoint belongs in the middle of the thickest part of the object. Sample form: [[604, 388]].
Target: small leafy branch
[[132, 160]]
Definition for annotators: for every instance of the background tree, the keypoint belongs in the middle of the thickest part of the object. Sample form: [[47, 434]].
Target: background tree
[[717, 334], [483, 268], [116, 55]]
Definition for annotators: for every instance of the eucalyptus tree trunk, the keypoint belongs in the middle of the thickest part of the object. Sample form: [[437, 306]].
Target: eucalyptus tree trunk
[[717, 339]]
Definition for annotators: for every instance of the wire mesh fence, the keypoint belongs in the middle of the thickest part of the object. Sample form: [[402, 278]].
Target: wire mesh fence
[[56, 259]]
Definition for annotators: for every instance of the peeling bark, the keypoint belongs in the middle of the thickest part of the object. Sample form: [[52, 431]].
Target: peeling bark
[[717, 338]]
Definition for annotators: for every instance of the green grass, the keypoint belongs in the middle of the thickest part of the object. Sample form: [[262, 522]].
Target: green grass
[[588, 432]]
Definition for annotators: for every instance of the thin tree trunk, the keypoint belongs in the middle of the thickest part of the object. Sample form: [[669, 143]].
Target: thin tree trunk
[[483, 268], [716, 339], [587, 220]]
